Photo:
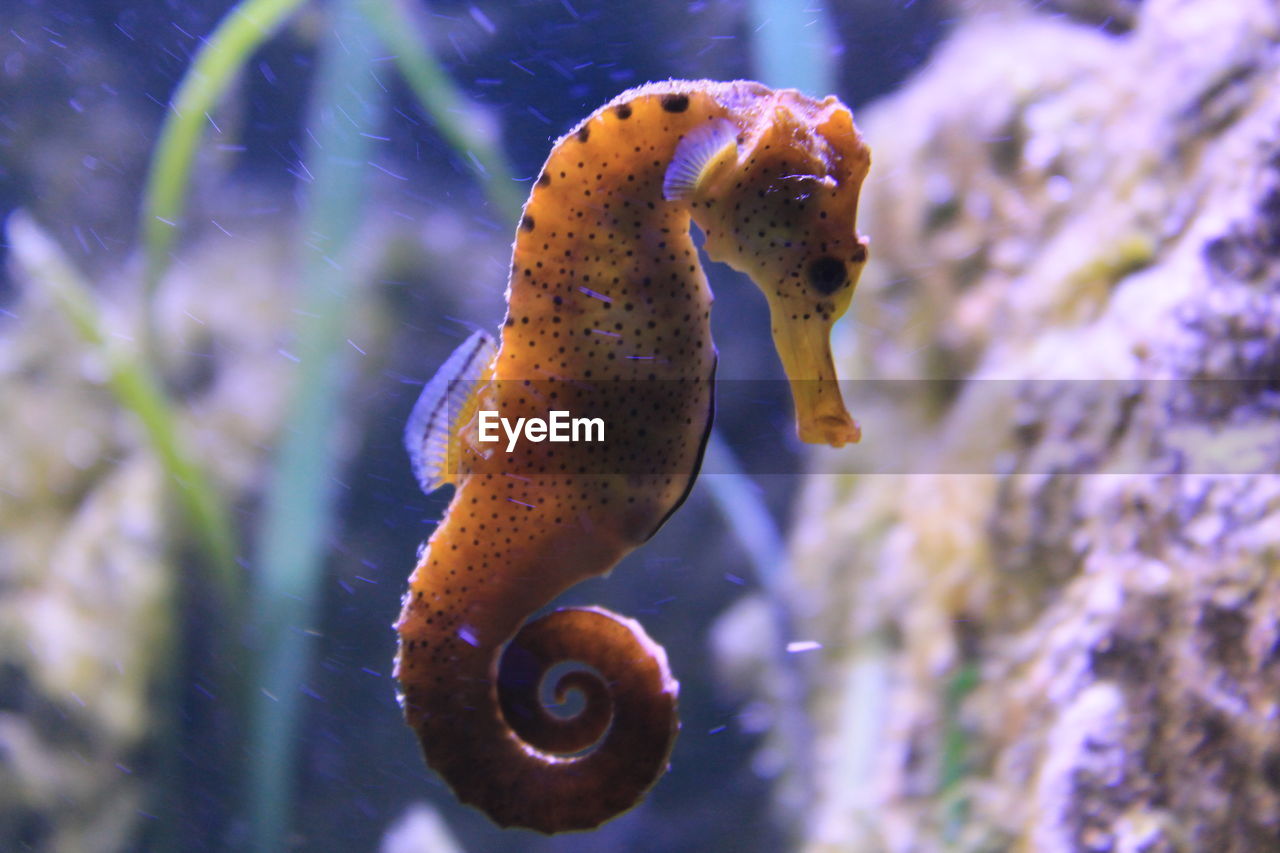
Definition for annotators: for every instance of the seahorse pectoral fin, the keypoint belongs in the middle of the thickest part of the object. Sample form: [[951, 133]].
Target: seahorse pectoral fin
[[805, 350], [446, 404], [699, 158]]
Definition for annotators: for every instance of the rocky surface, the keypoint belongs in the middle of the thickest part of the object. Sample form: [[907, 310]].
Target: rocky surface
[[1054, 627]]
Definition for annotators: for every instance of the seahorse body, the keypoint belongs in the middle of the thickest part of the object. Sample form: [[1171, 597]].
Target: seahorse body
[[608, 313]]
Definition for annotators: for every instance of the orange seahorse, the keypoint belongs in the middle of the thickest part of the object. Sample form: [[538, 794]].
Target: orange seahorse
[[608, 314]]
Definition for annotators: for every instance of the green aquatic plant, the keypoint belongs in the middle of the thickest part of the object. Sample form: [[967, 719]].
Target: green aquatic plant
[[284, 596], [955, 750], [299, 501], [792, 48], [249, 25], [746, 515], [138, 391], [461, 124]]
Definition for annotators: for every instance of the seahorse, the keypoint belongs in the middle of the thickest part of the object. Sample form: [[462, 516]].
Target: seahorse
[[608, 313]]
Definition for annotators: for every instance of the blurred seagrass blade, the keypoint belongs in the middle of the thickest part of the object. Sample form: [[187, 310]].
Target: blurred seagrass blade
[[738, 499], [138, 392], [346, 109], [463, 125], [793, 45], [248, 25]]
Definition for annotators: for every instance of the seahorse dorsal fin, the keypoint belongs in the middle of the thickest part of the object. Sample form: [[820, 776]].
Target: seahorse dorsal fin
[[447, 402], [697, 156]]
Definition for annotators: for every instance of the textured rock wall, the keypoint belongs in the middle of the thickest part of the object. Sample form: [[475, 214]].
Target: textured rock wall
[[1075, 646]]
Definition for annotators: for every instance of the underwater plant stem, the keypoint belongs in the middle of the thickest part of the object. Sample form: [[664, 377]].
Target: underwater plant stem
[[738, 500], [241, 32], [955, 750], [139, 392], [298, 518], [136, 390], [455, 118], [792, 46]]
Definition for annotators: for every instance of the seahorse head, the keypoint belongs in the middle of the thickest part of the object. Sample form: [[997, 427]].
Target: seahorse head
[[783, 211]]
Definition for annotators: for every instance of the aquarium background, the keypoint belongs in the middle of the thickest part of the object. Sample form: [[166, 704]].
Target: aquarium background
[[210, 514], [1033, 609]]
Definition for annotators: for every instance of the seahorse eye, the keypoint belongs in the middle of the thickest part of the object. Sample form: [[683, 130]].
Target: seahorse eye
[[827, 275]]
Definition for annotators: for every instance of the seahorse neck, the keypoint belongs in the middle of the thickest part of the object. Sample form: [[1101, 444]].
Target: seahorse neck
[[601, 255]]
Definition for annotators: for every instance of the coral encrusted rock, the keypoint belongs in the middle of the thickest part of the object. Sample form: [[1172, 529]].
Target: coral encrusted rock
[[1052, 621]]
